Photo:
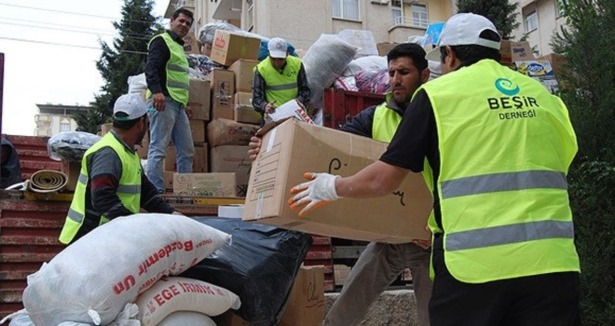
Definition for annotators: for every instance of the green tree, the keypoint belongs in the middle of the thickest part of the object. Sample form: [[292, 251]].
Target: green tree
[[123, 58], [501, 12], [587, 43]]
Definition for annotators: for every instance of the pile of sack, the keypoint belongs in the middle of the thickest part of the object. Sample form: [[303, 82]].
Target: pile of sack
[[127, 273]]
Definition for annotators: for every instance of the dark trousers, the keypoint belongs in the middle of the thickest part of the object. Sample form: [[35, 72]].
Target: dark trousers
[[547, 299]]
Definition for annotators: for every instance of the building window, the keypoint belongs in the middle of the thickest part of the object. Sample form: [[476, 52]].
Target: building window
[[397, 12], [64, 125], [419, 15], [250, 16], [345, 9], [531, 21]]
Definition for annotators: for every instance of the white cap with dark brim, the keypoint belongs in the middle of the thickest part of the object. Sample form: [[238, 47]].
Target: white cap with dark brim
[[464, 29], [277, 48], [132, 105]]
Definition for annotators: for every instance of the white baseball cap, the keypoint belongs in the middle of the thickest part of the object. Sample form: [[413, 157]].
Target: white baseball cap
[[130, 104], [277, 48], [464, 29]]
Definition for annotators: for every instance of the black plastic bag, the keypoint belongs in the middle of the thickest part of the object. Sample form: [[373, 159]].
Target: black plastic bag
[[260, 266]]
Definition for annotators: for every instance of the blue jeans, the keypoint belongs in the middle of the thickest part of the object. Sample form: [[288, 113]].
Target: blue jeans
[[169, 125]]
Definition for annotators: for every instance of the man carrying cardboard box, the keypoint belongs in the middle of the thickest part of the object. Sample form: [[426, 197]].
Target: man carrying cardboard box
[[381, 263], [111, 182], [168, 83], [278, 79], [503, 244]]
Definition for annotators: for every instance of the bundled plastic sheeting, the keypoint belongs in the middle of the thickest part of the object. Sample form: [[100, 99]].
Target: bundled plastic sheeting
[[259, 266], [187, 318], [373, 81], [183, 294], [70, 145], [324, 61], [373, 62], [363, 39], [92, 280]]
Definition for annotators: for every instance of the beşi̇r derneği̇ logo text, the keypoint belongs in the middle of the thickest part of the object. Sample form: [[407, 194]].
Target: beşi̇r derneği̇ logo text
[[512, 106]]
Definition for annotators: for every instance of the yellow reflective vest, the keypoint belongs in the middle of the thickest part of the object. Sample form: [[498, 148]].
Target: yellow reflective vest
[[280, 87], [505, 146], [129, 188], [178, 79]]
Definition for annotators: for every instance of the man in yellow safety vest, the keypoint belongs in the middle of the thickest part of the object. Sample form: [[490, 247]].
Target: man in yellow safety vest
[[499, 146], [111, 182], [278, 79]]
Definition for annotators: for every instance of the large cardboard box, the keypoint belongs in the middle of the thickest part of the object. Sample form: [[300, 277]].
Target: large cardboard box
[[197, 127], [557, 62], [232, 159], [242, 99], [199, 99], [228, 132], [247, 114], [204, 184], [244, 74], [228, 47], [222, 90], [72, 171], [515, 51], [540, 70], [168, 180], [105, 128], [306, 303], [293, 147], [244, 111], [141, 149], [191, 44], [170, 159], [199, 164]]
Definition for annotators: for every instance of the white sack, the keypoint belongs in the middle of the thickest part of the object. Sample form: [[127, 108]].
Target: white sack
[[137, 84], [92, 280], [187, 318], [183, 294]]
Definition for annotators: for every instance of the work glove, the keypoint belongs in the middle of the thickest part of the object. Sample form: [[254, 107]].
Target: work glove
[[317, 192]]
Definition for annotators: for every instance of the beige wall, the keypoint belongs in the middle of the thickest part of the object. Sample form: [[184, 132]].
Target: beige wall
[[548, 24], [302, 22]]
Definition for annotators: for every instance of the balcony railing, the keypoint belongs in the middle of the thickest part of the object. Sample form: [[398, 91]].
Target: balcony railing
[[410, 22]]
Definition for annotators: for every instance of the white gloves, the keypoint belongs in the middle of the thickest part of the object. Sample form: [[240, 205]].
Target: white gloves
[[315, 193]]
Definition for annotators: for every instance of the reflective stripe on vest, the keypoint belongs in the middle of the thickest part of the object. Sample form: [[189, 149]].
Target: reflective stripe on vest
[[129, 188], [503, 182], [505, 146], [178, 79], [280, 87]]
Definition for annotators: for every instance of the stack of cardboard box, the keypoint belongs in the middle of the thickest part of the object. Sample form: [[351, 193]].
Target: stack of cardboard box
[[225, 145], [223, 120], [519, 56]]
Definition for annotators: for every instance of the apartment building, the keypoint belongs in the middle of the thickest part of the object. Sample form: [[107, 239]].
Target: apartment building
[[540, 20], [301, 22], [53, 119]]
